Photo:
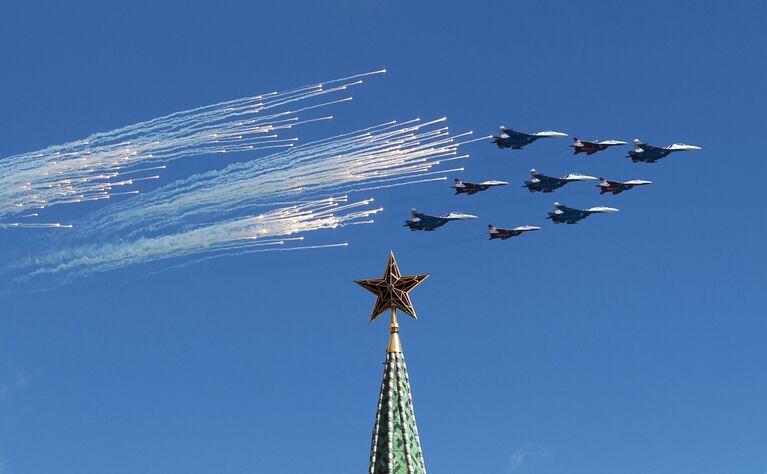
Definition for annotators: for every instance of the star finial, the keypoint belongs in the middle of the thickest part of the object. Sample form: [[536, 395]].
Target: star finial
[[392, 290]]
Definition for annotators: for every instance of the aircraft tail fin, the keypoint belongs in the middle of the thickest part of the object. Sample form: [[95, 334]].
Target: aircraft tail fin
[[458, 186], [492, 232]]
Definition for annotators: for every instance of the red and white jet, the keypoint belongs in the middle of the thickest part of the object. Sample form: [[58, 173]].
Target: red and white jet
[[585, 146], [617, 187], [504, 234]]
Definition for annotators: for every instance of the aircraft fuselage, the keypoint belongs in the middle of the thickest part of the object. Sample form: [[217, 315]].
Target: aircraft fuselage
[[516, 142], [569, 216], [649, 156]]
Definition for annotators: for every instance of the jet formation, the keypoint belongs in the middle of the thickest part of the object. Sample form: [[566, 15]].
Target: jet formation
[[541, 183]]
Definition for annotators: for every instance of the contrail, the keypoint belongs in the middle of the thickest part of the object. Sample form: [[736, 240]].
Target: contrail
[[92, 169]]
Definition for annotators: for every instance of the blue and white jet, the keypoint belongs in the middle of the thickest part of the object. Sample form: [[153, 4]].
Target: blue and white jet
[[546, 184], [571, 215], [421, 221], [515, 140], [650, 154], [463, 187]]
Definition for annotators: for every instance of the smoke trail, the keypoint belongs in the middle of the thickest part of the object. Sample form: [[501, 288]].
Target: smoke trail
[[373, 156], [236, 236], [208, 215], [93, 168]]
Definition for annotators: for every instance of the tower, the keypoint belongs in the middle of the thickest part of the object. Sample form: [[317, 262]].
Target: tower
[[395, 447]]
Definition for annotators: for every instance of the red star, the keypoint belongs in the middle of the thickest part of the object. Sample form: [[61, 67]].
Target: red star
[[392, 290]]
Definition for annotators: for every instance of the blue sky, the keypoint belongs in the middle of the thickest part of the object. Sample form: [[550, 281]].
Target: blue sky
[[628, 343]]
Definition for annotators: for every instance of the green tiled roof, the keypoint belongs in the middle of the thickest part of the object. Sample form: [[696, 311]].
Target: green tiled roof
[[396, 448]]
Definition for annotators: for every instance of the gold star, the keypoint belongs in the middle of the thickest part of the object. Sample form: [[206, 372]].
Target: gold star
[[392, 290]]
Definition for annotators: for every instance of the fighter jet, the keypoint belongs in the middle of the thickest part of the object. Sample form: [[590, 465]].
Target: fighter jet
[[504, 234], [617, 187], [542, 183], [421, 221], [571, 215], [517, 140], [462, 187], [585, 146], [650, 154]]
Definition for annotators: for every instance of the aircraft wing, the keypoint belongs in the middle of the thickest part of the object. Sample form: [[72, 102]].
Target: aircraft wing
[[457, 215], [512, 133], [635, 182], [578, 177], [611, 142], [526, 228], [682, 147], [493, 183], [550, 133], [602, 209]]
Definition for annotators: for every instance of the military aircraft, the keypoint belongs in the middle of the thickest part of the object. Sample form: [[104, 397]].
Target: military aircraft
[[517, 140], [585, 146], [617, 187], [462, 187], [542, 183], [504, 234], [650, 154], [571, 215], [421, 221]]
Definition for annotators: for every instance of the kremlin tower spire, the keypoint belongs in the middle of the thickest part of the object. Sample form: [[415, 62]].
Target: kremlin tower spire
[[396, 447]]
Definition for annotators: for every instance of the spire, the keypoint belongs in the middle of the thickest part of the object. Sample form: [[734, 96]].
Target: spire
[[394, 344], [396, 447]]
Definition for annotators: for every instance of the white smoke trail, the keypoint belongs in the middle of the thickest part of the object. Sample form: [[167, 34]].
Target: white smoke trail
[[209, 215], [236, 236], [374, 156], [91, 168]]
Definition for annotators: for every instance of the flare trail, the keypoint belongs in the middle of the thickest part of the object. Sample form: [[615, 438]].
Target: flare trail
[[103, 164]]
